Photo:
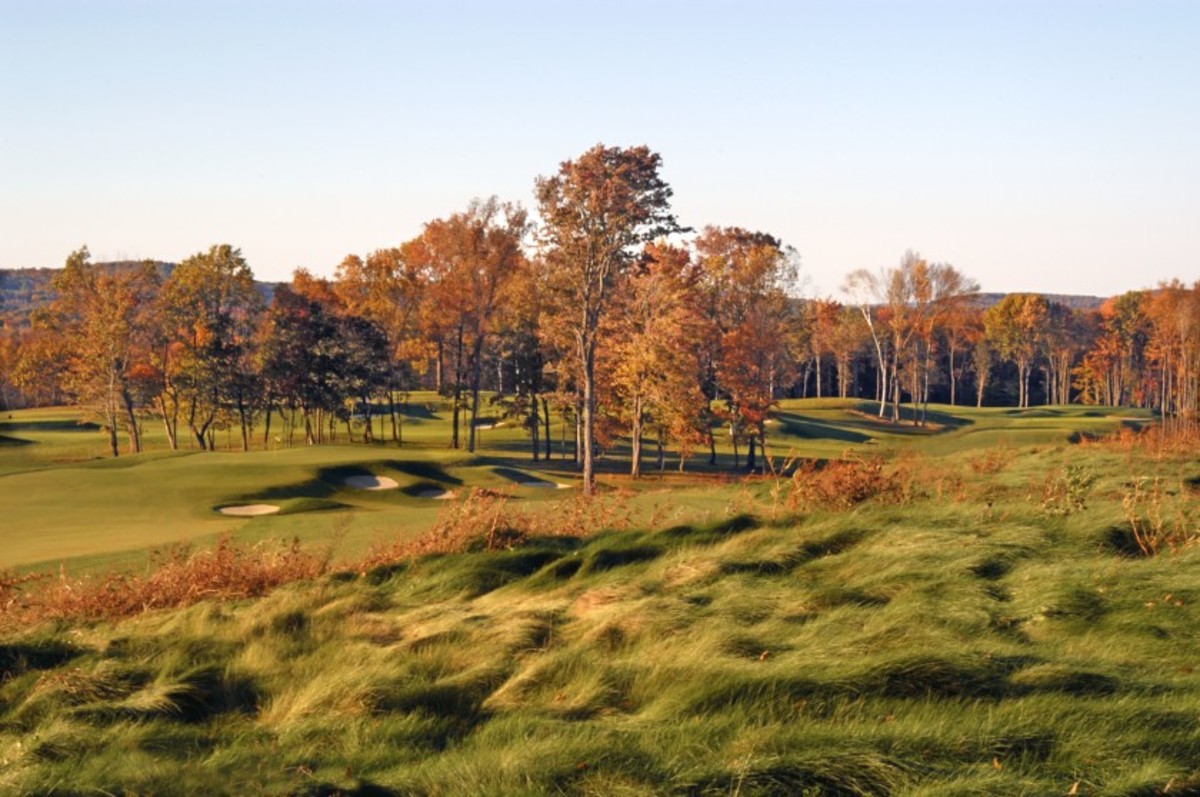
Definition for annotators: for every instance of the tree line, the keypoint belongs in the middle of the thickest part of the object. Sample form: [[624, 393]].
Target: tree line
[[608, 313]]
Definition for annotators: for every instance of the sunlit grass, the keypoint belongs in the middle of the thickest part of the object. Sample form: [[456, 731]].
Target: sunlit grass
[[974, 643]]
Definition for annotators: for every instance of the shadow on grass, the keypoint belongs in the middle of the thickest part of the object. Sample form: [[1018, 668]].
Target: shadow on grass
[[806, 552], [1121, 541], [423, 470], [800, 426], [18, 657], [13, 442], [50, 426], [417, 412], [332, 480], [521, 478]]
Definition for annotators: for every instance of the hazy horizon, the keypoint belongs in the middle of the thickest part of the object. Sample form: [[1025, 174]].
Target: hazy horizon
[[1044, 147]]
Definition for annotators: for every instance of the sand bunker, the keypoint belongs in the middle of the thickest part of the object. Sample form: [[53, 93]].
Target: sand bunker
[[544, 485], [371, 483], [248, 510], [436, 495]]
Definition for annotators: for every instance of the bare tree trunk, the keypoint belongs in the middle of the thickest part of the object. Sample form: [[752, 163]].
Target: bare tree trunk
[[437, 368], [267, 430], [546, 413], [635, 436], [135, 435], [577, 450], [589, 417], [476, 371], [535, 425], [733, 438], [167, 421], [242, 420], [953, 379], [458, 352]]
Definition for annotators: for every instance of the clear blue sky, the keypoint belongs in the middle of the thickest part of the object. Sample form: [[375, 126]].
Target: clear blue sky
[[1050, 146]]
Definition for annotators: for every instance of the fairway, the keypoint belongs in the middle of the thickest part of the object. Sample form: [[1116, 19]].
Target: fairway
[[63, 503]]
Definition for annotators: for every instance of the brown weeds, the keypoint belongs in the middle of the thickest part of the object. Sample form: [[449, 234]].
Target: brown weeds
[[991, 461], [176, 577], [1158, 518], [487, 520], [1172, 437], [842, 484]]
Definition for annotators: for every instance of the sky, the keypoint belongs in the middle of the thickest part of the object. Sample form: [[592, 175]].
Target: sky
[[1048, 146]]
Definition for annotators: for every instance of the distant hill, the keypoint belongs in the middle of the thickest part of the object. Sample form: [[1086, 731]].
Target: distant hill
[[1069, 300]]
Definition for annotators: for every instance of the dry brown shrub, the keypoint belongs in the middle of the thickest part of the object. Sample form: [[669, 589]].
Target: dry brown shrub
[[488, 520], [176, 577], [842, 484], [1172, 437], [1160, 519], [478, 522], [991, 461]]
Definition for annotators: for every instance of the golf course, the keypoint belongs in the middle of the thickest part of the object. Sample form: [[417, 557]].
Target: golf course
[[1001, 601]]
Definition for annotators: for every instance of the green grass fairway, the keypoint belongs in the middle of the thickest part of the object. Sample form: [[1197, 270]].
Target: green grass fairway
[[63, 502]]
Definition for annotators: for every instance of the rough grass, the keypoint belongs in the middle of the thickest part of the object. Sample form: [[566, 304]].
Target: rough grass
[[924, 641]]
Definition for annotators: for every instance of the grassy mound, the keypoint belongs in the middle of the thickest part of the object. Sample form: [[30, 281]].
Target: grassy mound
[[971, 629]]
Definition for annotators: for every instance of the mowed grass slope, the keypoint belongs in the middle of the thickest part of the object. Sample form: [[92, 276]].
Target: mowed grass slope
[[987, 628], [63, 502]]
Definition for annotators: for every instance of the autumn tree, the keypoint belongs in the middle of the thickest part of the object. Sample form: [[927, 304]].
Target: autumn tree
[[386, 288], [1065, 336], [746, 278], [470, 258], [982, 359], [300, 360], [657, 332], [210, 307], [596, 213], [1014, 329], [822, 317], [941, 294], [101, 319], [848, 337], [1126, 327], [960, 321], [866, 291], [1173, 348], [523, 346]]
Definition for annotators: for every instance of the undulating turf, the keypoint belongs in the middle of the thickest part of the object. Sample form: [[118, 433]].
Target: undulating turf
[[986, 627]]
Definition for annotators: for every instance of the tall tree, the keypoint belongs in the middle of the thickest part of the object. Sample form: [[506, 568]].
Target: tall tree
[[655, 357], [472, 256], [822, 316], [211, 308], [103, 323], [387, 289], [866, 290], [596, 212], [941, 295], [746, 278], [1014, 329], [847, 340]]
